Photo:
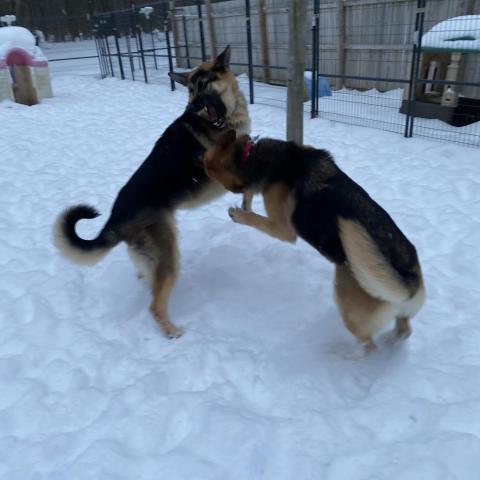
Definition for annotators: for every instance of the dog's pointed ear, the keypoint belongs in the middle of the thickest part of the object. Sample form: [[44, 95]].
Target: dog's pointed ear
[[179, 77], [227, 138], [222, 62]]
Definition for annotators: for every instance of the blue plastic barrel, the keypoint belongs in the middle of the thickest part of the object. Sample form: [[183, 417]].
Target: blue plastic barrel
[[323, 87]]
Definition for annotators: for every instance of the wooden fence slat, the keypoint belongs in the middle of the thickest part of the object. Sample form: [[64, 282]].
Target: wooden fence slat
[[378, 38]]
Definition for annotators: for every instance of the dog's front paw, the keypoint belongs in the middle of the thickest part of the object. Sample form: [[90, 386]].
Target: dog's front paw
[[175, 332], [170, 330], [238, 215]]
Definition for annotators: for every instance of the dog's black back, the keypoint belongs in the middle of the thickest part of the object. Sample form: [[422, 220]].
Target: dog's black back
[[337, 195], [171, 173], [323, 193]]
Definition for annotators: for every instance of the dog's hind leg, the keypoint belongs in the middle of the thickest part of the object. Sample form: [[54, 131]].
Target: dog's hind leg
[[402, 328], [400, 332], [405, 313], [143, 263], [362, 314], [164, 275]]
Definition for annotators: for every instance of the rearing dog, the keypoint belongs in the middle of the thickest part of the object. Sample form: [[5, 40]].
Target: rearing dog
[[377, 273], [171, 177]]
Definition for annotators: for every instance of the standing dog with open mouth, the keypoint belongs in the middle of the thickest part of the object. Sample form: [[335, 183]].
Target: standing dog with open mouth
[[171, 177], [377, 273]]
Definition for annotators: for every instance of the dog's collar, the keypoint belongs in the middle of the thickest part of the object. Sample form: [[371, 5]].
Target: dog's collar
[[247, 150]]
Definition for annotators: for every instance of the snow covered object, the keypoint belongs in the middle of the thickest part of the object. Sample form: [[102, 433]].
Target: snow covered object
[[24, 75], [444, 58], [443, 47], [458, 33]]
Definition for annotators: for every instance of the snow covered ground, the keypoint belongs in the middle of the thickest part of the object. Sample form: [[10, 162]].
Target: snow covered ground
[[263, 384]]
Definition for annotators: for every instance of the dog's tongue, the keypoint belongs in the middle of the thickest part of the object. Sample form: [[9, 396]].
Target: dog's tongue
[[212, 113]]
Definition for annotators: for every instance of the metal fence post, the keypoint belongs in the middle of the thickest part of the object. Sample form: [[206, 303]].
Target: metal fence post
[[169, 53], [110, 63], [317, 56], [249, 47], [129, 51], [416, 55], [341, 34], [297, 15], [314, 82], [100, 54], [142, 55], [119, 55], [202, 35], [104, 57]]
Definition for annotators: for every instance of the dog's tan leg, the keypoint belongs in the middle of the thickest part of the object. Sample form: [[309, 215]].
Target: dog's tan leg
[[358, 332], [402, 328], [369, 345], [165, 252], [279, 207], [362, 314], [247, 201], [162, 287]]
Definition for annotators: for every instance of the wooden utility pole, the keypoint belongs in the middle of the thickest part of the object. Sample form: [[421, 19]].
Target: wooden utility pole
[[297, 16], [262, 23], [211, 28]]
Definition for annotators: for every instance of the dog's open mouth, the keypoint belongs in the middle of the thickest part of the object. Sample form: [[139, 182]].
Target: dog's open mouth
[[214, 117]]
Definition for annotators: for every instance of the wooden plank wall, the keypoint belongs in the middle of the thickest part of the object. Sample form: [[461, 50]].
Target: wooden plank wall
[[378, 37]]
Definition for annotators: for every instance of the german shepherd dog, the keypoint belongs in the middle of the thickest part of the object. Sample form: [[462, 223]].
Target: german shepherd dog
[[377, 273], [171, 177]]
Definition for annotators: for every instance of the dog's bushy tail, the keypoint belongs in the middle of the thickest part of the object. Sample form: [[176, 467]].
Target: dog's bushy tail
[[369, 266], [75, 248]]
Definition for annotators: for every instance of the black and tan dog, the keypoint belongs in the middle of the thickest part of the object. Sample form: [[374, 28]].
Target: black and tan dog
[[171, 177], [377, 274]]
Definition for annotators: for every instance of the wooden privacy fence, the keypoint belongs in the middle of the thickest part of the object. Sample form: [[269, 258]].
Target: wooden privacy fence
[[356, 38]]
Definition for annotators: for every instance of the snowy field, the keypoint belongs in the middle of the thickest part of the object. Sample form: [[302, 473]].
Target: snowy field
[[265, 383]]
